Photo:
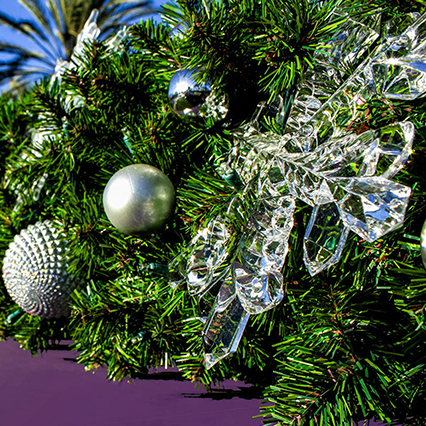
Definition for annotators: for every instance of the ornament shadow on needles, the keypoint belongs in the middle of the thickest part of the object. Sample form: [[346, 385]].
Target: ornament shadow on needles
[[346, 179]]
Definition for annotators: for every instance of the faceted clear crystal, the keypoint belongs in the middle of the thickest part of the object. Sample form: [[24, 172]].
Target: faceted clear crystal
[[348, 169], [265, 244], [262, 253], [176, 269], [89, 32], [225, 324], [324, 239], [373, 206], [257, 292], [346, 48], [396, 70], [394, 147], [343, 51], [405, 78], [399, 69], [208, 252]]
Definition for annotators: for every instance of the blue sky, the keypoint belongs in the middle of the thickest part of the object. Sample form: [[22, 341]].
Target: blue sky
[[15, 10]]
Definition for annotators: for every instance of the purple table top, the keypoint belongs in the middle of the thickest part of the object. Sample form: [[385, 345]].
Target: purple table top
[[51, 391]]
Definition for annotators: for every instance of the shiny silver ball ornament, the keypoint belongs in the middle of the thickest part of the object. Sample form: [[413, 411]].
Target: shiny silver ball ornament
[[423, 244], [139, 199], [189, 98], [35, 271], [185, 94]]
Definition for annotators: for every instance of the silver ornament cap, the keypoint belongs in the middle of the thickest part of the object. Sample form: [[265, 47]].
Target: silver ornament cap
[[139, 199], [35, 271]]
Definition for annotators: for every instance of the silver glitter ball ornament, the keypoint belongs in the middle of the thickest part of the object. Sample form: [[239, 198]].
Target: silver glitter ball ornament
[[139, 199], [189, 98], [35, 271]]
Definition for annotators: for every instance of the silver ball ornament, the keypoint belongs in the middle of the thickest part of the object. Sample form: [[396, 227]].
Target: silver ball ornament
[[35, 271], [423, 244], [189, 98], [139, 199]]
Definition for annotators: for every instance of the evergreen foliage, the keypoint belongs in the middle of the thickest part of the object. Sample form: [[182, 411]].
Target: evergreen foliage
[[345, 345]]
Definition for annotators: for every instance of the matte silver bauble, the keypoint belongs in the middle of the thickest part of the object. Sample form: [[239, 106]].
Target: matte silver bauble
[[189, 98], [139, 199], [35, 271]]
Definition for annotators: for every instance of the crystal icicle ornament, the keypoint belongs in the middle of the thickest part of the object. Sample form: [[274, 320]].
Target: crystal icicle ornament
[[225, 324], [208, 252], [324, 239], [35, 271], [399, 69], [351, 171], [344, 49], [262, 253], [396, 70], [321, 159], [258, 292], [89, 33], [373, 206]]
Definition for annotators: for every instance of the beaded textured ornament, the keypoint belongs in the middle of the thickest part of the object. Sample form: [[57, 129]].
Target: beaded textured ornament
[[35, 271]]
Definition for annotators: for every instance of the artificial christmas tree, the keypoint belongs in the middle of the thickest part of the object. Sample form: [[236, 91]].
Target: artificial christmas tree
[[315, 129]]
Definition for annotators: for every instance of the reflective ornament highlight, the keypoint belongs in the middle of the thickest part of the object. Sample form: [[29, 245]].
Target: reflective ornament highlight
[[35, 271], [189, 98], [423, 244], [139, 199]]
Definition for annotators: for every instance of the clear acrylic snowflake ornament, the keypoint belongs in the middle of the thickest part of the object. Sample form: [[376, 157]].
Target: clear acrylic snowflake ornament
[[344, 175]]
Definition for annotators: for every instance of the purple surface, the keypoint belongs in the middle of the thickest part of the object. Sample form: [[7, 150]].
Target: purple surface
[[51, 391]]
